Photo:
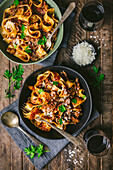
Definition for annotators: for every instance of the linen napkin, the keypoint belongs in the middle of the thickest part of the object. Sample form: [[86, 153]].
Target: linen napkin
[[23, 141]]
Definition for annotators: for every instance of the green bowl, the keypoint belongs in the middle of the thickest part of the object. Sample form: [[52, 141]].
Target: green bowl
[[3, 44]]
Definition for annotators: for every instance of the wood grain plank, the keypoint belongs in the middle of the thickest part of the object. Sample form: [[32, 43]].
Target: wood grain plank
[[5, 139], [107, 65], [16, 153]]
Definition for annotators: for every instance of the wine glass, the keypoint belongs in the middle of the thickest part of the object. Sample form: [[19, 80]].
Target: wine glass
[[91, 16]]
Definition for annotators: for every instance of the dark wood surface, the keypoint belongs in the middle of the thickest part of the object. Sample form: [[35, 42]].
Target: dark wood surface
[[11, 158]]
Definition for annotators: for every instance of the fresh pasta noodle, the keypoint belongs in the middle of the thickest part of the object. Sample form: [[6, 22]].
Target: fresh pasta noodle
[[28, 25], [56, 99]]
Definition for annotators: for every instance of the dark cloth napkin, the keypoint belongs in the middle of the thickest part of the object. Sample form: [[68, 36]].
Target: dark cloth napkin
[[23, 141]]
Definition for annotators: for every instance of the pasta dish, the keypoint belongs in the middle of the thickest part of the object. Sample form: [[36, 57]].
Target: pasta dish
[[25, 28], [56, 99]]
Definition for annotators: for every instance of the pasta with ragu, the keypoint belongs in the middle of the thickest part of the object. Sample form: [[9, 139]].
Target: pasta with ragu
[[25, 28], [56, 99]]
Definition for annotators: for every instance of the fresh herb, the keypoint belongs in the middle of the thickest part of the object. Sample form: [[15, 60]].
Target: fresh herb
[[98, 78], [15, 79], [39, 106], [16, 2], [22, 34], [23, 28], [74, 101], [55, 83], [42, 41], [28, 50], [84, 97], [14, 45], [60, 121], [34, 150], [62, 108], [40, 91]]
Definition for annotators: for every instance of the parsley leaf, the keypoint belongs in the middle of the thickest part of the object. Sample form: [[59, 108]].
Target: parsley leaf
[[39, 106], [34, 150], [74, 101], [22, 34], [98, 79], [84, 97], [28, 50], [16, 2], [42, 41], [14, 45], [62, 108], [55, 83], [14, 79], [23, 28], [60, 121], [40, 91]]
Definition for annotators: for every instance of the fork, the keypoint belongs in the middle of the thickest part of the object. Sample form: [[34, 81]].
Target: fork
[[64, 17], [72, 139]]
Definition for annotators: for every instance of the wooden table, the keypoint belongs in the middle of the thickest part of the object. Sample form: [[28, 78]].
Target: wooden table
[[11, 156]]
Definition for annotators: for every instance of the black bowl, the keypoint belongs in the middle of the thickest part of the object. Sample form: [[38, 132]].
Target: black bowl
[[86, 108]]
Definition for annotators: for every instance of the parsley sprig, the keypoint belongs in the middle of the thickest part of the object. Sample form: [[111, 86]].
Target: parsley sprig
[[23, 29], [16, 2], [34, 150], [14, 80], [98, 78], [42, 41]]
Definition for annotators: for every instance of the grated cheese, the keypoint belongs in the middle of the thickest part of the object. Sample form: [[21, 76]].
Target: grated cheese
[[83, 53]]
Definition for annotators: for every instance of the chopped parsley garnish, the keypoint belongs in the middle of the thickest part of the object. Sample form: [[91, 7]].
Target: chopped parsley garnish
[[74, 101], [22, 34], [55, 83], [23, 28], [84, 97], [14, 45], [62, 108], [28, 50], [42, 41], [60, 121], [39, 106], [40, 91], [16, 2]]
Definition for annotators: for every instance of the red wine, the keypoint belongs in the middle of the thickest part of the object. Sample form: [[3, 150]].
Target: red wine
[[97, 144], [92, 13], [91, 16]]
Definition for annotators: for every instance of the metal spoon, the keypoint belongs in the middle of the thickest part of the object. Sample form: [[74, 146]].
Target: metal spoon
[[68, 11], [11, 120]]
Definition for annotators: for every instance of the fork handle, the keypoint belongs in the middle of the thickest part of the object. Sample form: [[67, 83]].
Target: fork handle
[[65, 16], [36, 141], [72, 139]]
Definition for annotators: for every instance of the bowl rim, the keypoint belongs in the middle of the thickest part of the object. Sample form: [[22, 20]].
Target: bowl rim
[[52, 51]]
